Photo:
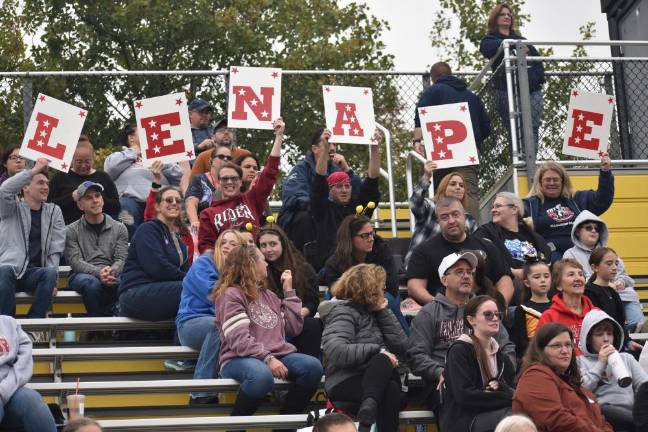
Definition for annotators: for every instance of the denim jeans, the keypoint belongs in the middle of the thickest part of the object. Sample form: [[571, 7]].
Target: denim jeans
[[37, 281], [537, 106], [155, 301], [26, 409], [131, 214], [634, 315], [256, 377], [201, 334], [97, 297]]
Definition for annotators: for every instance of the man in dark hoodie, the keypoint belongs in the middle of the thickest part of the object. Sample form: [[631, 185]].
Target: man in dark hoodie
[[447, 89], [439, 323]]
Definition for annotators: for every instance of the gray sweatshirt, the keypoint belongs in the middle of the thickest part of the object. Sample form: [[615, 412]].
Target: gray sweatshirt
[[15, 358], [598, 377], [132, 178], [436, 326], [581, 253], [15, 224]]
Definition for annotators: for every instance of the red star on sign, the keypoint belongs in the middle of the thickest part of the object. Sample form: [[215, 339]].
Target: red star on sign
[[463, 108], [601, 153], [472, 159], [42, 98], [82, 114], [63, 165], [189, 153], [327, 89], [275, 74], [366, 92], [423, 111], [234, 70], [179, 101], [610, 100], [574, 93], [138, 104]]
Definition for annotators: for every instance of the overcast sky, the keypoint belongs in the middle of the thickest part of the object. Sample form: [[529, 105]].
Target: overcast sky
[[411, 22]]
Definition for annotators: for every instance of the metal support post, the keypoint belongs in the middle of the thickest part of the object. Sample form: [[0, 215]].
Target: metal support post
[[525, 110]]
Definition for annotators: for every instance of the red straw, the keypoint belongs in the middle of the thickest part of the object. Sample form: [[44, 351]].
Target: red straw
[[77, 385]]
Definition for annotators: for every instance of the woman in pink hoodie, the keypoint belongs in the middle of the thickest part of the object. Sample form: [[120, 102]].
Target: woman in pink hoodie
[[253, 324]]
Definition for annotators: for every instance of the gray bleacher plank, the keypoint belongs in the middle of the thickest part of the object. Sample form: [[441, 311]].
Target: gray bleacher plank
[[113, 353], [62, 296], [89, 324], [140, 386], [288, 421], [639, 336]]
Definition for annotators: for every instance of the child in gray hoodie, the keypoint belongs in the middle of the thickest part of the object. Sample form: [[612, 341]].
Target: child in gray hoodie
[[600, 337], [21, 407]]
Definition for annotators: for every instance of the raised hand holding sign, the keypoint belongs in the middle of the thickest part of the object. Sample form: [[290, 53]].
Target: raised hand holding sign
[[588, 124], [448, 135], [254, 97], [53, 132], [164, 129], [349, 113]]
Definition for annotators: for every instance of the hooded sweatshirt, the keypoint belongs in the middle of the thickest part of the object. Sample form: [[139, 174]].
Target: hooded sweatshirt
[[581, 253], [598, 376], [15, 358], [560, 313], [436, 326]]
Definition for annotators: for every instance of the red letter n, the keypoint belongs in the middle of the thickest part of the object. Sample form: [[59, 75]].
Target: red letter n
[[261, 107]]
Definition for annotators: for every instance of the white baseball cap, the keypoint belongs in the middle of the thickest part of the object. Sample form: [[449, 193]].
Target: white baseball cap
[[452, 259]]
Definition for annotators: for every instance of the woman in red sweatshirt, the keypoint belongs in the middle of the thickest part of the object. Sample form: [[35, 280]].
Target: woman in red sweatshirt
[[253, 324], [570, 305]]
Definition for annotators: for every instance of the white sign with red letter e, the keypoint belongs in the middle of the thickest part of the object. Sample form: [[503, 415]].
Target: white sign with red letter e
[[349, 113], [53, 132], [448, 135], [588, 124], [254, 97], [164, 129]]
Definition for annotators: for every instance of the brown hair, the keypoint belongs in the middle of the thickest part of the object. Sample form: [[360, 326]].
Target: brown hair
[[240, 272], [230, 165], [596, 257], [559, 267], [363, 284], [438, 70], [349, 227], [526, 272], [494, 14], [535, 354], [443, 185], [471, 309], [179, 221], [219, 258], [536, 188]]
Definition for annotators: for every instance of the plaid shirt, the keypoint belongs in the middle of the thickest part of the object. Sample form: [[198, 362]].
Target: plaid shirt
[[424, 211]]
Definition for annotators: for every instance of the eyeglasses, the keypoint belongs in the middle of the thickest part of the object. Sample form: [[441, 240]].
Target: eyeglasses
[[551, 180], [559, 346], [505, 14], [223, 157], [490, 315], [590, 228], [499, 206], [233, 179], [16, 158], [366, 236], [171, 200], [461, 272]]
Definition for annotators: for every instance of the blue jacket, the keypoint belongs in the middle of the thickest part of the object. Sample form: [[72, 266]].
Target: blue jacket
[[153, 257], [295, 192], [450, 89], [554, 224], [489, 46], [196, 288]]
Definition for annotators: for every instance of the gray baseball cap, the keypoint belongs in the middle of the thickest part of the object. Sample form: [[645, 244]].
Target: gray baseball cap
[[86, 186]]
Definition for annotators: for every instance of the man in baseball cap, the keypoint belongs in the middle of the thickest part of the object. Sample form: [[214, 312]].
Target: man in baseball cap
[[199, 117]]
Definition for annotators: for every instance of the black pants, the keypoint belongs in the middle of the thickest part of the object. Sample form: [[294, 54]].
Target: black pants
[[619, 417], [309, 340], [381, 382]]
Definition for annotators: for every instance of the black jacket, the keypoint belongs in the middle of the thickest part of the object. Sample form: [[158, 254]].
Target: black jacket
[[309, 297], [494, 233]]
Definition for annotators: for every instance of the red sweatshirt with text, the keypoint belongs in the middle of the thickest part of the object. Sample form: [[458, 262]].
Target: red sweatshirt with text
[[559, 312]]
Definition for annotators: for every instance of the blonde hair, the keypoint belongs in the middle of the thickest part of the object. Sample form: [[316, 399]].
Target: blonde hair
[[511, 198], [443, 185], [536, 188], [240, 272], [363, 284], [219, 258]]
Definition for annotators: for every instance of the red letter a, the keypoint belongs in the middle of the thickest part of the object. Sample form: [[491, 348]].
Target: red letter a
[[346, 115]]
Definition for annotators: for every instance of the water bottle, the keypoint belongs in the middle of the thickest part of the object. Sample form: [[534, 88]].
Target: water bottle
[[69, 335], [619, 369]]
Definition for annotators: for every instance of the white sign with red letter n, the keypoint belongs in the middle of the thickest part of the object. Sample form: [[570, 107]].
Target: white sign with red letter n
[[254, 97], [349, 113], [164, 129], [448, 135], [588, 124], [53, 132]]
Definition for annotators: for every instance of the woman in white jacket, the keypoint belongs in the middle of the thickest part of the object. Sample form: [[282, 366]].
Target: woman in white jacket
[[21, 407]]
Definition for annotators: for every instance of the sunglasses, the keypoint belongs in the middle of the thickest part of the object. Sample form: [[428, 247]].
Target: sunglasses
[[490, 315], [223, 157], [590, 228], [171, 200]]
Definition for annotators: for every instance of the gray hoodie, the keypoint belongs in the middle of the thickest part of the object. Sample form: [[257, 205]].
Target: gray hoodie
[[435, 327], [15, 358], [581, 253], [132, 178], [596, 376], [15, 224]]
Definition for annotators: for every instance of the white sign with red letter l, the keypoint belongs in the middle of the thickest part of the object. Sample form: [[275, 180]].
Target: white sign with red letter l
[[448, 135], [254, 97], [349, 113], [53, 132], [588, 124], [164, 130]]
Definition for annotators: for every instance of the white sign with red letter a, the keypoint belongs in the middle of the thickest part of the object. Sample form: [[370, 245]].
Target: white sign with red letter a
[[588, 124], [254, 97], [53, 132], [448, 135], [164, 129], [349, 113]]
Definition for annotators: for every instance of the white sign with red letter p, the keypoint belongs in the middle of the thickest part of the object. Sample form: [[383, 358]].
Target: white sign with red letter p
[[254, 97], [53, 132], [448, 135], [349, 113], [588, 124], [164, 130]]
